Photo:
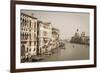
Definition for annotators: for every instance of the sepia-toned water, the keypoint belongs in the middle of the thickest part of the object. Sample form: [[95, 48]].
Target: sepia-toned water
[[71, 52]]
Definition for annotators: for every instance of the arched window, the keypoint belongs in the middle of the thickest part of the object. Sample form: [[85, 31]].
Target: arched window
[[22, 22], [30, 43], [23, 35], [23, 50], [30, 35], [34, 49], [30, 23], [25, 21], [26, 36], [30, 49], [35, 27], [27, 49]]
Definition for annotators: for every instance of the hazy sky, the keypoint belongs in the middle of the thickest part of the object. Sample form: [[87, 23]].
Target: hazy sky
[[66, 22]]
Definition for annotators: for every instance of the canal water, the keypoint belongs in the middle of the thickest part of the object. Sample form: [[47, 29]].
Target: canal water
[[71, 52]]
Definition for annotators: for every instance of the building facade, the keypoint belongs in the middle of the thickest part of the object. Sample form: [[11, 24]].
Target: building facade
[[28, 35], [55, 38], [37, 38], [84, 38], [44, 37], [80, 39]]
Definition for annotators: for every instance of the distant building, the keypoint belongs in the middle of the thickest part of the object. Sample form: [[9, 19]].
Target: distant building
[[76, 37], [80, 39], [77, 34], [28, 32], [84, 38]]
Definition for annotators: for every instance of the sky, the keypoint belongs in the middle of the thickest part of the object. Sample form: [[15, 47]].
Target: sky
[[66, 22]]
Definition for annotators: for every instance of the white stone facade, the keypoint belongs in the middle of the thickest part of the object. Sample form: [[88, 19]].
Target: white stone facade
[[45, 35], [28, 35]]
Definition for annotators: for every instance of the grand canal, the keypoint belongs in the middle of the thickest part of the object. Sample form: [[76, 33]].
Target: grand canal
[[71, 52]]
